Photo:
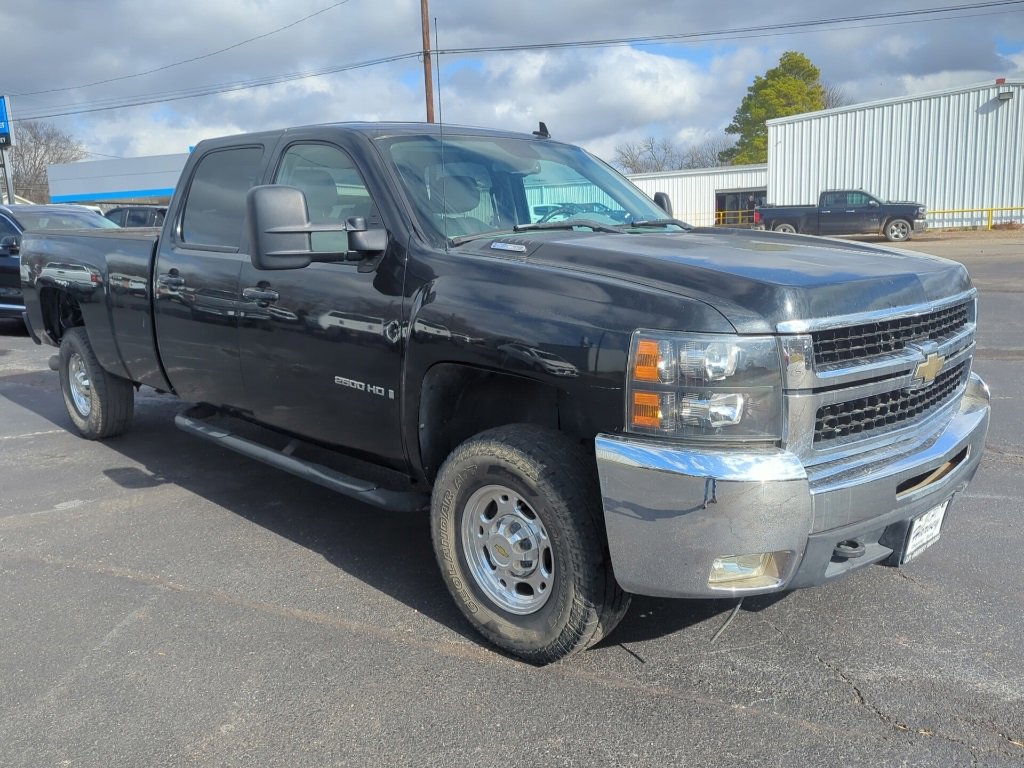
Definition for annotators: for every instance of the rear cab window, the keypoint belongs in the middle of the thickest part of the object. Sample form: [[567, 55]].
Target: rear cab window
[[214, 211]]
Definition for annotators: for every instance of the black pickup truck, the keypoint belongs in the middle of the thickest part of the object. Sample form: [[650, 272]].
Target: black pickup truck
[[845, 212], [589, 401]]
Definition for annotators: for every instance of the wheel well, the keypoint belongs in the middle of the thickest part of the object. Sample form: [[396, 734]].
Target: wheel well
[[60, 312], [459, 401]]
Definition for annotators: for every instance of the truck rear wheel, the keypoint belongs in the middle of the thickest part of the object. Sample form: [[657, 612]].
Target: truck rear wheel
[[517, 528], [785, 228], [898, 230], [100, 404]]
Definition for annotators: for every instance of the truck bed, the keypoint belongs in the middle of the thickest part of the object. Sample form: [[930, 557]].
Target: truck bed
[[109, 273]]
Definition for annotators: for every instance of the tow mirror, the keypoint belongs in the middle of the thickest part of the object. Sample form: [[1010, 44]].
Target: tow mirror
[[361, 240], [282, 237]]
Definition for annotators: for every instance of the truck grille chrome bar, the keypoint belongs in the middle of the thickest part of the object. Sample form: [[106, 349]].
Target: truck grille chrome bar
[[877, 413], [852, 344]]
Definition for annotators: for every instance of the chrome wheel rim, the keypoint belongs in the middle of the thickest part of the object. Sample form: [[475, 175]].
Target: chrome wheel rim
[[786, 229], [80, 385], [899, 231], [508, 550]]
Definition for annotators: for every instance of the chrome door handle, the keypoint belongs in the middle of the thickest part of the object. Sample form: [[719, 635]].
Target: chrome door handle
[[259, 294]]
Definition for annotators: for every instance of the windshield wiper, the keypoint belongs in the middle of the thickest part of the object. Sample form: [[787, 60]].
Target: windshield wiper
[[659, 223], [568, 224], [460, 239], [594, 226]]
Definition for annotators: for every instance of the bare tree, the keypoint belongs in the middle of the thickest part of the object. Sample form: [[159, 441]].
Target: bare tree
[[836, 96], [653, 155], [649, 156], [706, 153], [38, 145]]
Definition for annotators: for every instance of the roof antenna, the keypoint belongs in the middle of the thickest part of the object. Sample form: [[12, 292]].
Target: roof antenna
[[542, 131], [440, 134]]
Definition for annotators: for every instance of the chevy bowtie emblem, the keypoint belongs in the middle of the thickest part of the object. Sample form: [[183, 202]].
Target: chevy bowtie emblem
[[926, 372]]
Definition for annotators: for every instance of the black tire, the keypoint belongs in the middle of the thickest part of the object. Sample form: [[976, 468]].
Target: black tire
[[785, 228], [100, 404], [898, 230], [515, 472]]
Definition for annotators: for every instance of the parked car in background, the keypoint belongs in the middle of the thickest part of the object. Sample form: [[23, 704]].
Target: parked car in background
[[845, 212], [14, 220], [137, 215]]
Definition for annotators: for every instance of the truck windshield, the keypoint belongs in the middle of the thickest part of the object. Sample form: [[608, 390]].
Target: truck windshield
[[482, 184]]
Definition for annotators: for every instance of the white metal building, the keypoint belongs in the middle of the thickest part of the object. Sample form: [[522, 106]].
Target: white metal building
[[138, 179], [706, 196], [959, 151]]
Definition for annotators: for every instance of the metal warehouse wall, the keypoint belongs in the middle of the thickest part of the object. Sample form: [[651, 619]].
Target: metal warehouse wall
[[952, 150], [693, 192]]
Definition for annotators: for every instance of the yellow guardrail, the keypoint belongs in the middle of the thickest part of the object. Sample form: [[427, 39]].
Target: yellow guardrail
[[975, 218], [740, 218]]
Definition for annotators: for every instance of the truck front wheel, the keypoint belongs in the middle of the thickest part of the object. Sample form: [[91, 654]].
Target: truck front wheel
[[785, 228], [898, 230], [100, 404], [517, 528]]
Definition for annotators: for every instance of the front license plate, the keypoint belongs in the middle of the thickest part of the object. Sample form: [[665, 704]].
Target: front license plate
[[924, 531]]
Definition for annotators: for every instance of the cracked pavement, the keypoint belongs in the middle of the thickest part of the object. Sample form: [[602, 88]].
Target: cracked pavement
[[166, 603]]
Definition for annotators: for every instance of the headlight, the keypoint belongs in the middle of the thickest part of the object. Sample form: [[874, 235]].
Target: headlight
[[704, 386]]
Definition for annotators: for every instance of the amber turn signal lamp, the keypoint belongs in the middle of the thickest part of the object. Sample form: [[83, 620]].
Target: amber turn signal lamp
[[647, 410], [648, 356]]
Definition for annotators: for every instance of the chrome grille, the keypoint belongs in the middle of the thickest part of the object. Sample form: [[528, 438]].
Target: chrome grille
[[855, 343], [874, 414]]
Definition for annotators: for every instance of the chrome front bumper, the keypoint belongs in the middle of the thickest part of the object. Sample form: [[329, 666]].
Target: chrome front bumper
[[671, 510]]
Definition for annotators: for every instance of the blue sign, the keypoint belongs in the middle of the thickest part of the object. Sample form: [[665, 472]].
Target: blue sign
[[5, 124]]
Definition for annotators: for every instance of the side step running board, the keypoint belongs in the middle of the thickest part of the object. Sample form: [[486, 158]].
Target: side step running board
[[365, 491]]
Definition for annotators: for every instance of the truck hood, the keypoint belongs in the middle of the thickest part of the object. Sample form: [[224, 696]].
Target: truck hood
[[757, 280]]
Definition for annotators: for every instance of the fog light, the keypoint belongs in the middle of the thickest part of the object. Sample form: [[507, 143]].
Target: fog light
[[755, 571]]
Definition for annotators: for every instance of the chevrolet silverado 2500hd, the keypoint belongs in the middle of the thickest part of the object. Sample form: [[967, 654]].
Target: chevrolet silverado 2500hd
[[846, 212], [591, 401]]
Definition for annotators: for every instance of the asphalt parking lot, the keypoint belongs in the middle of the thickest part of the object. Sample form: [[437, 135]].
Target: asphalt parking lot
[[166, 603]]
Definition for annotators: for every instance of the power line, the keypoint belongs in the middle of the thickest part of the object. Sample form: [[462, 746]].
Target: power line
[[186, 61], [767, 30], [758, 31]]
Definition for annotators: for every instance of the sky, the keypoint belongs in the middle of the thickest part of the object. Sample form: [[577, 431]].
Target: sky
[[82, 64]]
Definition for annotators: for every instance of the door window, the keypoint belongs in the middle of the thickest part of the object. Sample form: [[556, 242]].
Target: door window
[[139, 217], [334, 190], [215, 209]]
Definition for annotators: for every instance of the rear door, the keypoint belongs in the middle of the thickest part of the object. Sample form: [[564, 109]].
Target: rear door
[[833, 214], [11, 304], [197, 295], [321, 346]]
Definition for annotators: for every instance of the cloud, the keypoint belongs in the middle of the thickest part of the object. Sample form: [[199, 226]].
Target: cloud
[[599, 97]]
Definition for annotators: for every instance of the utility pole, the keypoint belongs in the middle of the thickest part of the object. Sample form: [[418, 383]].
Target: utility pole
[[428, 77]]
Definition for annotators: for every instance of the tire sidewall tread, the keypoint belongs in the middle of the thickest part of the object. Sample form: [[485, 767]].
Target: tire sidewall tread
[[112, 398], [554, 476]]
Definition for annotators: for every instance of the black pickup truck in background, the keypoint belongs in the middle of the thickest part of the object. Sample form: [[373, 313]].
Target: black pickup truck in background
[[845, 212], [589, 398]]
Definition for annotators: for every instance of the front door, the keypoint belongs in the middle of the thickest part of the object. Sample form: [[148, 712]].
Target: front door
[[321, 346]]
